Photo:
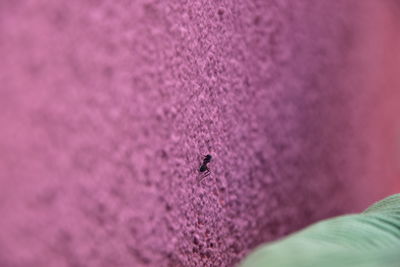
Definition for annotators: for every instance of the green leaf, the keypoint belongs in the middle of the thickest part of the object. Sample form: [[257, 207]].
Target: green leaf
[[369, 239]]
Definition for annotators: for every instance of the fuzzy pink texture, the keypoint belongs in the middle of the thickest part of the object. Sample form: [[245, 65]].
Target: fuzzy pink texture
[[107, 108]]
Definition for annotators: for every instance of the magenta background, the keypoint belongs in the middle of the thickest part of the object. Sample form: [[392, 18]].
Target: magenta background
[[108, 106]]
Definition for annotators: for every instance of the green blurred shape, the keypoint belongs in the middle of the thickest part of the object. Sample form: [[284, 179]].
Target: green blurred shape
[[369, 239]]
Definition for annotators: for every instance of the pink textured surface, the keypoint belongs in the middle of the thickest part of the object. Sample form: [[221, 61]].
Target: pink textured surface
[[108, 106]]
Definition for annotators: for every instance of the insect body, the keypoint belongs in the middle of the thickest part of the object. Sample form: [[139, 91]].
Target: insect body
[[203, 168]]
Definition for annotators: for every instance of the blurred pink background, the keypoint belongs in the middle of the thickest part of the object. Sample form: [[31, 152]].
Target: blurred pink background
[[106, 108]]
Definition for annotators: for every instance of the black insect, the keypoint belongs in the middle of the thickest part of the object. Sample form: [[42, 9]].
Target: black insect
[[203, 168]]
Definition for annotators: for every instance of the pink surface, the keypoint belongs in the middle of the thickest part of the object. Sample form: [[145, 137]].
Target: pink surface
[[108, 106]]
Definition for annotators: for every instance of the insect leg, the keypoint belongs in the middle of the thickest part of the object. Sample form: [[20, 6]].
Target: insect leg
[[207, 173]]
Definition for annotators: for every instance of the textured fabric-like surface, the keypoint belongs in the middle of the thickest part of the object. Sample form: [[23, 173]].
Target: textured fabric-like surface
[[108, 106]]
